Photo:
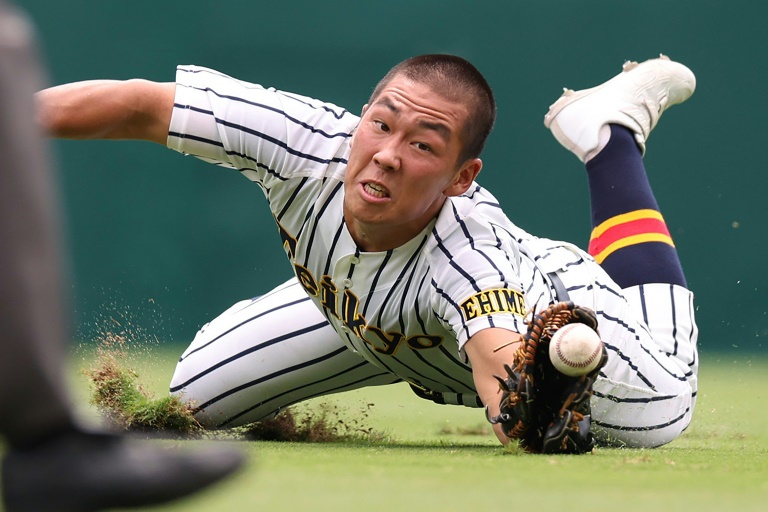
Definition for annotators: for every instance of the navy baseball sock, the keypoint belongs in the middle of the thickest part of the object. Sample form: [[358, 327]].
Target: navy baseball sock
[[629, 239]]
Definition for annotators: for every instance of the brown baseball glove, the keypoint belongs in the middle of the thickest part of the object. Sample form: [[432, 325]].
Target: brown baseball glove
[[548, 411]]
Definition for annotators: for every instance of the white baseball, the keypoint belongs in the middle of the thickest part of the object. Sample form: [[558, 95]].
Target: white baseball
[[575, 349]]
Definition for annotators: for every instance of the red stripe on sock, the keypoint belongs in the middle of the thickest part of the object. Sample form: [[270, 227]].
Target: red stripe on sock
[[624, 230]]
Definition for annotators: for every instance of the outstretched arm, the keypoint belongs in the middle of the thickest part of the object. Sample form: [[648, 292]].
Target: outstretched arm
[[107, 109], [488, 351]]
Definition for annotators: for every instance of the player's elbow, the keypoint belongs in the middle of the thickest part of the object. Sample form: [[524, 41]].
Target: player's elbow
[[150, 105]]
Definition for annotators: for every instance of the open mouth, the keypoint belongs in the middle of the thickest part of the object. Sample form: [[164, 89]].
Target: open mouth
[[375, 190]]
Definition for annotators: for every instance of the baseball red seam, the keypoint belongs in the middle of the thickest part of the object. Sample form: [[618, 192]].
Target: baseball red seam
[[574, 364]]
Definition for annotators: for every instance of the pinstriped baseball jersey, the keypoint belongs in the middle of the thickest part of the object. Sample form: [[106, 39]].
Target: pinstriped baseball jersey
[[409, 310]]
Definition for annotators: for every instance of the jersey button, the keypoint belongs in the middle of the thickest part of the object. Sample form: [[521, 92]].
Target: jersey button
[[347, 283], [354, 260]]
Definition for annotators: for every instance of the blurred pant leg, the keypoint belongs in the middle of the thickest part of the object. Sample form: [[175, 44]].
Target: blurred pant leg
[[33, 331], [51, 465]]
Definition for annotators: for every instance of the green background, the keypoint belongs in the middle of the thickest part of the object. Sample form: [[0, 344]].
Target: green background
[[161, 243]]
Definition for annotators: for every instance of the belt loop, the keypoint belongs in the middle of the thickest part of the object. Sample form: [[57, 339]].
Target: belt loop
[[561, 294]]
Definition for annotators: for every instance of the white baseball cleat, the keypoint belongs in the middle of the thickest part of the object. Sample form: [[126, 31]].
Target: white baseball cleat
[[635, 98]]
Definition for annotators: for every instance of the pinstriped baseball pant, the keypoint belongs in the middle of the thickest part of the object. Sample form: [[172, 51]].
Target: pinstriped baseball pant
[[646, 394], [264, 354], [268, 353]]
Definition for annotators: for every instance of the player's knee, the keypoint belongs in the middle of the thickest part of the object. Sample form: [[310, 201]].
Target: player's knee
[[212, 402], [655, 421], [193, 396], [663, 430], [654, 438], [201, 414]]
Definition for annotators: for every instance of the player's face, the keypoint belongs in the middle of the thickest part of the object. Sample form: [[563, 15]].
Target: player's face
[[404, 162]]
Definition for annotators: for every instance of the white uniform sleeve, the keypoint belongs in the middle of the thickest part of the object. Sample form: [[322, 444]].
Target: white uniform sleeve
[[268, 135], [478, 284]]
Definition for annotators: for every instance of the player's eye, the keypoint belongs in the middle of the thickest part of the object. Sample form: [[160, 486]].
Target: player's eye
[[381, 126], [422, 146]]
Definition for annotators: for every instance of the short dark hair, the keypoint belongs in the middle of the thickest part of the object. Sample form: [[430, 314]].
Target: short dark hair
[[456, 79]]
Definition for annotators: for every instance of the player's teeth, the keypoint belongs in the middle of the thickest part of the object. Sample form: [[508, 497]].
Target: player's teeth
[[374, 190]]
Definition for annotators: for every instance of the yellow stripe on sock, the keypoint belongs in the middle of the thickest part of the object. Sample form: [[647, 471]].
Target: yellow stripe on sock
[[625, 217], [632, 240]]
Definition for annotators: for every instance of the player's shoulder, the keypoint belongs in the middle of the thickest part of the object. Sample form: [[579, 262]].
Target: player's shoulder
[[476, 208], [470, 222]]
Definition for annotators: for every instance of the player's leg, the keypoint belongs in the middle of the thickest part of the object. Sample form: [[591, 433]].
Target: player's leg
[[607, 127], [630, 238], [650, 389], [265, 354], [645, 395]]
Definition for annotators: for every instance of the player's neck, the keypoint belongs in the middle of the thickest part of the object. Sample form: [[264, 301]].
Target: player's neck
[[383, 231], [377, 238]]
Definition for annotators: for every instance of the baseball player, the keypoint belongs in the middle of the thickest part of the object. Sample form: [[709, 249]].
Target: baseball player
[[406, 269]]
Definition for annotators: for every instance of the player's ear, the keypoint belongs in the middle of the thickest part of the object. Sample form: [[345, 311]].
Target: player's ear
[[464, 178], [365, 108]]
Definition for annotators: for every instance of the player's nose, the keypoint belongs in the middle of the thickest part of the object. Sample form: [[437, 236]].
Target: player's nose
[[387, 156]]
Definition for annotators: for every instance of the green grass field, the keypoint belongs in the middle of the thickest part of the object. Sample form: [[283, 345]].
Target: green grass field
[[435, 459]]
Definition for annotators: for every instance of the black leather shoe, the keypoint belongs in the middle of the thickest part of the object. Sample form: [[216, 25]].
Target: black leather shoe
[[86, 472]]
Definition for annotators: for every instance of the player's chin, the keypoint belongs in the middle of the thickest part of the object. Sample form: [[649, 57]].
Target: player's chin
[[367, 209]]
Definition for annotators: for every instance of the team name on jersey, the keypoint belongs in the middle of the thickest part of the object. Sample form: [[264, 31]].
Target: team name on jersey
[[489, 302], [346, 309]]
